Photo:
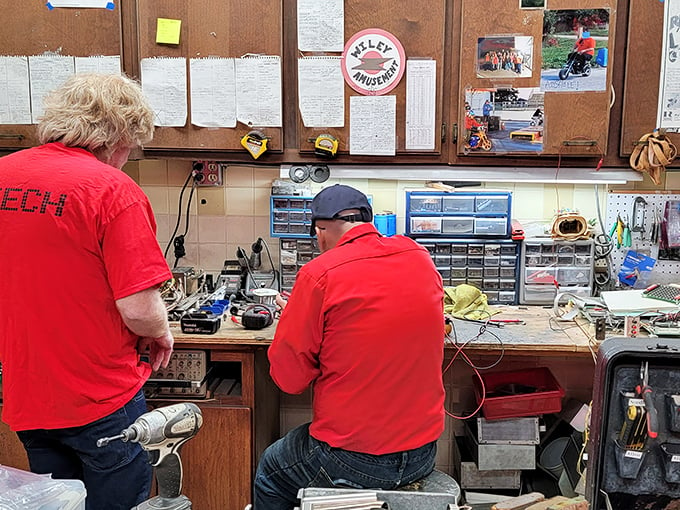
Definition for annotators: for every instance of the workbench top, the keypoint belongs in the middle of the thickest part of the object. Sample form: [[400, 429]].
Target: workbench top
[[539, 333]]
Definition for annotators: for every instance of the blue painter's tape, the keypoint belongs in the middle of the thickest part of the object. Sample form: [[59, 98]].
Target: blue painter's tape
[[110, 6], [49, 6]]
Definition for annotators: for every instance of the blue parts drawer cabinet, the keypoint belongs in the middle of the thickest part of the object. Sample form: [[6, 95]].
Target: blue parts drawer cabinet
[[459, 214]]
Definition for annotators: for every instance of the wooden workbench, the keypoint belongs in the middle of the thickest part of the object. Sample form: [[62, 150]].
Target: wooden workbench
[[539, 333], [237, 428]]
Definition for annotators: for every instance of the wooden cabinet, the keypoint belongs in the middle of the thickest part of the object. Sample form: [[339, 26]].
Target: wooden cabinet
[[211, 28], [421, 31], [643, 67], [219, 463], [30, 28], [576, 122], [12, 452], [446, 32]]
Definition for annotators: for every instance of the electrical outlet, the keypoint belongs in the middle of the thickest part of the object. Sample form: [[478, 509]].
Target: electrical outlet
[[208, 173], [601, 266]]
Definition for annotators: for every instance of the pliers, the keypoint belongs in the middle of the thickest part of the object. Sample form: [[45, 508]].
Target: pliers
[[645, 392], [627, 240], [616, 233]]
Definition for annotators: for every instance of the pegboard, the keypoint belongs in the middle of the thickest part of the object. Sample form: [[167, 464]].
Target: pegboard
[[665, 271]]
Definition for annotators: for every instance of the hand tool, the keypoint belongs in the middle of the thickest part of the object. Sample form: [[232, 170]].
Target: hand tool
[[485, 322], [639, 432], [508, 321], [629, 424], [639, 210], [627, 241], [645, 392], [656, 227], [162, 432]]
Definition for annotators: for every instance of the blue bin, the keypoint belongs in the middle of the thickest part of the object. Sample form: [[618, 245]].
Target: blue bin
[[602, 56], [386, 224]]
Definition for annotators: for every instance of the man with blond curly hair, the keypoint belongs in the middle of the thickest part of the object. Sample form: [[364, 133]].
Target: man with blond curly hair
[[79, 301]]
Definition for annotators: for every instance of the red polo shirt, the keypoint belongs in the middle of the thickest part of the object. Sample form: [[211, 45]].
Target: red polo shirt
[[77, 234], [364, 326]]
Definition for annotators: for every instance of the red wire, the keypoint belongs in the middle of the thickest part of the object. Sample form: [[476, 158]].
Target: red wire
[[459, 350]]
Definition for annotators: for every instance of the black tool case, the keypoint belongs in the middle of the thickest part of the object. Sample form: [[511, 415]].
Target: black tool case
[[622, 474]]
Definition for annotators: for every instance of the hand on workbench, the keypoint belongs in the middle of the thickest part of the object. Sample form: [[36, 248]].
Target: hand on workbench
[[282, 299], [160, 349]]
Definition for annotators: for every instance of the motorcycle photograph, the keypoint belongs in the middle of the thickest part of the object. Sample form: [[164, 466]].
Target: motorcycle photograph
[[576, 64]]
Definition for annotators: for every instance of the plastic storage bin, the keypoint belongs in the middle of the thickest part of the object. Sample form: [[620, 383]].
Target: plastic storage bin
[[21, 490], [519, 393]]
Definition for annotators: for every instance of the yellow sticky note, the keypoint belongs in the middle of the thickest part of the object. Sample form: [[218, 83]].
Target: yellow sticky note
[[167, 30]]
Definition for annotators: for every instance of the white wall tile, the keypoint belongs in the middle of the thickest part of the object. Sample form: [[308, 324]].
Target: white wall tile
[[158, 196], [237, 176], [211, 256], [239, 201], [241, 230], [212, 229]]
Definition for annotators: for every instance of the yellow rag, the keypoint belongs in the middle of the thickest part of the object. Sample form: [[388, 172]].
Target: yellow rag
[[467, 302]]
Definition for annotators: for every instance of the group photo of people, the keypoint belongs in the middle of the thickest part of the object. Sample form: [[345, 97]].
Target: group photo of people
[[504, 57]]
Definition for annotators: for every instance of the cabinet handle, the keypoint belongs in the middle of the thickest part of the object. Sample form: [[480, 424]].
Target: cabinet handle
[[17, 136]]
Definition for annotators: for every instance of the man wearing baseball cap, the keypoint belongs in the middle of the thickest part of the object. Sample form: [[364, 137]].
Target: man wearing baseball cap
[[364, 328]]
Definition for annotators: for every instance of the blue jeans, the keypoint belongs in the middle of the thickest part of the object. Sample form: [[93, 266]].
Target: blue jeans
[[116, 477], [298, 460]]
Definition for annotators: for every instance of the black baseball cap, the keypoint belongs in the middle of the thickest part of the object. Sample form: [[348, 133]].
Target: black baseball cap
[[337, 198]]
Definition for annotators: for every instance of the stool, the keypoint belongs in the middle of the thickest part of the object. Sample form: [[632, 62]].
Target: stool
[[437, 491]]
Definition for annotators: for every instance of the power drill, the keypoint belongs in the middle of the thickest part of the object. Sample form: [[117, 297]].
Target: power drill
[[162, 432]]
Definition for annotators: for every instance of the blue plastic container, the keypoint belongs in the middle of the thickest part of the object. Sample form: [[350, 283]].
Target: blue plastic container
[[386, 224], [602, 56]]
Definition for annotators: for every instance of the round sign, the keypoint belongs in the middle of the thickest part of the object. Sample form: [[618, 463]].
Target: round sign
[[373, 62]]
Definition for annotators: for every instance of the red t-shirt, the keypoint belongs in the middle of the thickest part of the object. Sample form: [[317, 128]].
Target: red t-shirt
[[364, 325], [77, 234], [586, 46]]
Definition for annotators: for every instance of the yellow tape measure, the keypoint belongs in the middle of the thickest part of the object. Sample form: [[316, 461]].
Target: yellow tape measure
[[255, 142], [326, 146]]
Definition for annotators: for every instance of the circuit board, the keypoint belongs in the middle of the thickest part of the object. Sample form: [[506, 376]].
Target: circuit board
[[669, 293]]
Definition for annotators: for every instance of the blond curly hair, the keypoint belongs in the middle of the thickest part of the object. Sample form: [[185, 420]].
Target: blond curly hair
[[97, 112]]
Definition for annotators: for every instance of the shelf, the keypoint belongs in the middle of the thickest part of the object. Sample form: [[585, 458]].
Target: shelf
[[566, 175]]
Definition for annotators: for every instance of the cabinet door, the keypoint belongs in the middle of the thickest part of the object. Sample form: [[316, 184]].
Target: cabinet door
[[420, 29], [211, 28], [30, 28], [576, 119], [643, 66], [217, 462], [12, 452]]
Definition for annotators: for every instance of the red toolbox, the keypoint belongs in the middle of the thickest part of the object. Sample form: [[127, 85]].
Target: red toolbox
[[518, 393]]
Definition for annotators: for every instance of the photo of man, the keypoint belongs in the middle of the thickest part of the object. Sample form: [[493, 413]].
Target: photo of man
[[575, 50]]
